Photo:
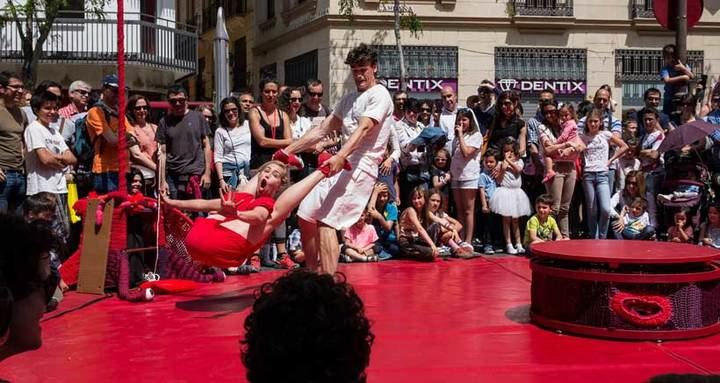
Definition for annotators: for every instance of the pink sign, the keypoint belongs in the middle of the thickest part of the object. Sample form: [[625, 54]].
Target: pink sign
[[567, 87], [420, 85]]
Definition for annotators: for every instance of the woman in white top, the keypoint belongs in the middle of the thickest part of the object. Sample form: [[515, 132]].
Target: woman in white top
[[465, 170], [232, 145], [596, 180]]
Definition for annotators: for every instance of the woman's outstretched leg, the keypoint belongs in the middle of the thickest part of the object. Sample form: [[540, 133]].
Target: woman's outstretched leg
[[291, 198]]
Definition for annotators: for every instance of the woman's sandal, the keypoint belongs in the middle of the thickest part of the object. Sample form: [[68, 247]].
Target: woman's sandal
[[371, 258]]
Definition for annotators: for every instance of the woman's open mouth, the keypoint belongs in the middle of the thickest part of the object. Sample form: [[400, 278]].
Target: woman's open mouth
[[263, 183]]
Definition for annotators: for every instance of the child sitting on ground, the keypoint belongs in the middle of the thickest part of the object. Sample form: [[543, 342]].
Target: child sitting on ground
[[384, 214], [359, 241], [445, 228], [710, 230], [542, 227], [636, 221], [682, 231], [569, 133]]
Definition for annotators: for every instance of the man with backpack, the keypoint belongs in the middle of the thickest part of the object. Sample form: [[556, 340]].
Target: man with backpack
[[101, 127]]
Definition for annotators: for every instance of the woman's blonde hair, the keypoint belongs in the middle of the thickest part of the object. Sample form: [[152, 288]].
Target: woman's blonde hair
[[279, 164]]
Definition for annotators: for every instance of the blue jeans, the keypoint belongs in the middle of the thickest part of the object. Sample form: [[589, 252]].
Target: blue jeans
[[646, 233], [104, 183], [597, 203], [12, 192]]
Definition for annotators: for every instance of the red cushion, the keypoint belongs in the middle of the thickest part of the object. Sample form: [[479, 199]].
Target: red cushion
[[170, 286]]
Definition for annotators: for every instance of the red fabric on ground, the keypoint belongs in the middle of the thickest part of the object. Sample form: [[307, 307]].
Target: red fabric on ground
[[450, 321]]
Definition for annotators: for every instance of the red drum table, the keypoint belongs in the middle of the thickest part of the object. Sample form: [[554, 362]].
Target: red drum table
[[626, 289]]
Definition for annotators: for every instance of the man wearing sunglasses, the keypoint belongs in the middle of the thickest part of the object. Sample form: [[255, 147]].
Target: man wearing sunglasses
[[313, 106], [79, 93], [26, 283]]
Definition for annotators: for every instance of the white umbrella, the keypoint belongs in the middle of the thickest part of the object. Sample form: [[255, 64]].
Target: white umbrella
[[222, 62]]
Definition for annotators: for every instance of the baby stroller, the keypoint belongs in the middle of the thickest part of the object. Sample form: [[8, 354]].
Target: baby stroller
[[685, 187]]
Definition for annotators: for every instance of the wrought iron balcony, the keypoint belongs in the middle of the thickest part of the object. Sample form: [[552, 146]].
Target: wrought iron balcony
[[542, 8], [645, 64], [81, 37], [641, 9]]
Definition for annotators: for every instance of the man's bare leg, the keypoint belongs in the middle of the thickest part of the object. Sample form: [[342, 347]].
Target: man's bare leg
[[309, 239], [329, 251]]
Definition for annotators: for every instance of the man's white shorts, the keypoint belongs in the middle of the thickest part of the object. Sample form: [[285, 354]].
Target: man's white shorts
[[338, 201]]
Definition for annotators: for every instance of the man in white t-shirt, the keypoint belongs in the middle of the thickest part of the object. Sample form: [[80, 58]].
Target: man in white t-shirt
[[448, 114], [364, 119]]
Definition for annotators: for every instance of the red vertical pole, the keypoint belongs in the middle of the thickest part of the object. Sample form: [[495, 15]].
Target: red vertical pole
[[122, 141]]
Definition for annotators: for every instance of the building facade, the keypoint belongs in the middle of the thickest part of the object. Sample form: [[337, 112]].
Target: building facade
[[159, 51], [573, 46], [238, 20]]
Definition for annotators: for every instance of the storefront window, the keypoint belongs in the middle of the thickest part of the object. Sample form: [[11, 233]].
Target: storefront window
[[428, 68], [531, 70], [301, 68]]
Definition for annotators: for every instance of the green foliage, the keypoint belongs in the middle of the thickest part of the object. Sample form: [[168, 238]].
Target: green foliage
[[408, 19], [412, 23], [510, 8], [346, 8], [34, 20]]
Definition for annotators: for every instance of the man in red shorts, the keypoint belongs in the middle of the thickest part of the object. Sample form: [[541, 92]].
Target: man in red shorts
[[364, 119]]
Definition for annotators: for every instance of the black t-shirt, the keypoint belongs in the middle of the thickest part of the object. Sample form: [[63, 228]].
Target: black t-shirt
[[512, 129], [484, 117], [183, 138]]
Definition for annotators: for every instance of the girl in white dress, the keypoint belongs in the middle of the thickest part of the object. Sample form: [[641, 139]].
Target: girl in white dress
[[509, 200]]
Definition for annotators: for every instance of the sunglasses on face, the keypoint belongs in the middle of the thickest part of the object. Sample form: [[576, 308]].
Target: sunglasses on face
[[631, 183], [141, 107], [549, 112], [315, 94], [295, 99], [228, 111], [177, 101]]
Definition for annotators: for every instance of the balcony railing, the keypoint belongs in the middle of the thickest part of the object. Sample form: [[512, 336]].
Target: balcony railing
[[150, 41], [640, 9], [543, 7]]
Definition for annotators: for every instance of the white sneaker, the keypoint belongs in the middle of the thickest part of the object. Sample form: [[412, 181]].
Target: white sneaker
[[510, 249], [519, 249]]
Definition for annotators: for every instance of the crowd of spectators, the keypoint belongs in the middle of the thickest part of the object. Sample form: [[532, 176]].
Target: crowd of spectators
[[455, 180]]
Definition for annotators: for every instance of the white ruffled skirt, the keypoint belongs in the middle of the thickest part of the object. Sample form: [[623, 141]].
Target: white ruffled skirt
[[510, 202]]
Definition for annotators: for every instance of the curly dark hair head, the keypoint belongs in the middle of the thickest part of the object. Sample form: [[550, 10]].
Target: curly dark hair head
[[363, 54], [19, 262], [306, 327]]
